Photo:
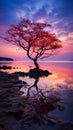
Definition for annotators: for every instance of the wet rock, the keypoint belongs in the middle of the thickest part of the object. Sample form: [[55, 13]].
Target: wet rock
[[60, 107], [21, 109], [22, 74], [4, 76], [4, 67], [47, 106], [35, 73], [66, 126]]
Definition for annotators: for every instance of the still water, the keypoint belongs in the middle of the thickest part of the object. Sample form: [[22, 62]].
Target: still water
[[59, 83], [62, 73]]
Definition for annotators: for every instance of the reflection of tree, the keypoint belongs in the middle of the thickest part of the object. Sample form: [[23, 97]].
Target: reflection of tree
[[42, 104], [39, 92], [34, 85], [36, 74]]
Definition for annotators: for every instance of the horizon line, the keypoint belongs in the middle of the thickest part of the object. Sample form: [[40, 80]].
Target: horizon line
[[40, 61]]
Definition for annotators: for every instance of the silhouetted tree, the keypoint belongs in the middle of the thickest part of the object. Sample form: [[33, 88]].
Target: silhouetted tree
[[34, 39]]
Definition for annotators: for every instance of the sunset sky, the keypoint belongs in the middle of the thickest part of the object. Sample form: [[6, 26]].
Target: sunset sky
[[59, 13]]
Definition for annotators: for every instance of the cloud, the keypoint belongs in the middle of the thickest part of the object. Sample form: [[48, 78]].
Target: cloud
[[70, 35], [41, 20], [67, 38], [57, 13], [20, 13]]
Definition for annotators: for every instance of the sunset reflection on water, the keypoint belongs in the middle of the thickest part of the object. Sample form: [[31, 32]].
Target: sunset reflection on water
[[62, 73]]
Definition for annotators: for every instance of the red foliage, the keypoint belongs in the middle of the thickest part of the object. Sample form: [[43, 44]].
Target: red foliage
[[33, 38]]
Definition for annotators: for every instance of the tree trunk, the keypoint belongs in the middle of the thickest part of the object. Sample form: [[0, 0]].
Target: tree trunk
[[36, 64], [34, 60]]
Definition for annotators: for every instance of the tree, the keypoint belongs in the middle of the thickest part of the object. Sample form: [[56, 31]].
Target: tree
[[34, 39]]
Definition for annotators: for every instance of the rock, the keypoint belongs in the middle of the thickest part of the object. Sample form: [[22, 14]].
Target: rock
[[66, 126], [4, 67], [5, 77], [21, 109], [46, 105], [60, 107], [35, 73], [22, 74]]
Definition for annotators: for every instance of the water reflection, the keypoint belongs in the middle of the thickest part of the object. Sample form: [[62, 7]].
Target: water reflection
[[62, 73], [59, 83], [35, 86]]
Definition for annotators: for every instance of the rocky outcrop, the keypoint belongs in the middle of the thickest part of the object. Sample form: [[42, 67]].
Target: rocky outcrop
[[17, 111], [4, 67], [35, 73]]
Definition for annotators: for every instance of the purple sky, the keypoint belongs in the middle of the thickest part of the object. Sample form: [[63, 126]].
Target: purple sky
[[57, 12]]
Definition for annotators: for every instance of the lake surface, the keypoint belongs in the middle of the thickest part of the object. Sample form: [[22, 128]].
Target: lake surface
[[59, 83]]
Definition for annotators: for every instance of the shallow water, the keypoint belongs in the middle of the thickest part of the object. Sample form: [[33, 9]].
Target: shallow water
[[59, 83]]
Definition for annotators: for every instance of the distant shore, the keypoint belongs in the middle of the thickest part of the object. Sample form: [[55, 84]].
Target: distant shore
[[6, 59]]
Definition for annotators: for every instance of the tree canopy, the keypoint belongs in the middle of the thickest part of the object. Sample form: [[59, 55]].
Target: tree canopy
[[34, 39]]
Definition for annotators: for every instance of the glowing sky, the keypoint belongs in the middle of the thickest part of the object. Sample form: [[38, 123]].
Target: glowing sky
[[57, 12]]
